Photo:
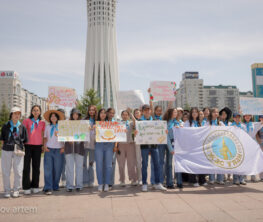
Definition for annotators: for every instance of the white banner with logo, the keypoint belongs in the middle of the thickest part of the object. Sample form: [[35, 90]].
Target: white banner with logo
[[216, 150]]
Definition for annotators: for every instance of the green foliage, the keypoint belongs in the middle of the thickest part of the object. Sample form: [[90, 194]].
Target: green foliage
[[4, 115], [90, 98]]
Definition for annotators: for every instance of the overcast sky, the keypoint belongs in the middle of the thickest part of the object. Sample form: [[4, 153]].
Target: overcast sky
[[45, 41]]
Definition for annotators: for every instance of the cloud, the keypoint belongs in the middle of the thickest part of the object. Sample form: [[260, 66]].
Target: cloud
[[30, 62]]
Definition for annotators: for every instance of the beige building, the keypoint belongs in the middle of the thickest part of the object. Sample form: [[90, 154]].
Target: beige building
[[193, 93], [12, 94]]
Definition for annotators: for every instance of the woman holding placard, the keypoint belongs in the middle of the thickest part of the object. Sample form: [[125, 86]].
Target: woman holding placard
[[103, 158], [88, 169], [74, 154], [126, 151], [54, 152], [110, 117]]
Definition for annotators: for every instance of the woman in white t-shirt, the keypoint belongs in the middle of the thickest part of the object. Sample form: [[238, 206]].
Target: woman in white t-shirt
[[54, 152]]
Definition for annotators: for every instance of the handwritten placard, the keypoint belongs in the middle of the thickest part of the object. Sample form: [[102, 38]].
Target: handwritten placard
[[73, 130], [163, 91], [130, 99], [110, 132], [252, 106], [151, 132], [61, 96]]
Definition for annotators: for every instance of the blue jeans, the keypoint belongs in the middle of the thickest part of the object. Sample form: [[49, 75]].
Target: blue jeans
[[179, 178], [161, 150], [155, 157], [53, 163], [63, 173], [238, 178], [169, 168], [112, 181], [219, 177], [74, 161], [103, 158], [88, 166]]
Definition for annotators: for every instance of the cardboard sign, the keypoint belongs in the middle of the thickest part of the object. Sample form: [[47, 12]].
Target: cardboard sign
[[252, 106], [73, 130], [130, 99], [163, 91], [110, 131], [151, 132], [61, 96]]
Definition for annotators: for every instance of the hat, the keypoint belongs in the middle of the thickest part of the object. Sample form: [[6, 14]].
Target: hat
[[61, 110], [15, 109], [145, 106], [180, 109], [228, 112], [59, 113], [236, 114]]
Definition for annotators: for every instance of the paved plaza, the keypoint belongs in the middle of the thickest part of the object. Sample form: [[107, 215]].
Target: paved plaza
[[211, 203]]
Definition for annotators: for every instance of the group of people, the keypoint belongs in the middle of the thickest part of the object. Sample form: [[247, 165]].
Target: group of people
[[73, 163]]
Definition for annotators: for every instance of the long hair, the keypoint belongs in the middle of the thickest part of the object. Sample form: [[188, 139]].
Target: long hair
[[102, 109], [210, 116], [157, 107], [96, 112], [108, 110], [191, 119], [168, 114], [31, 115], [134, 111]]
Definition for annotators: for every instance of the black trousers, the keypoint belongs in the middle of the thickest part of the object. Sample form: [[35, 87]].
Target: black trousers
[[32, 155], [193, 178]]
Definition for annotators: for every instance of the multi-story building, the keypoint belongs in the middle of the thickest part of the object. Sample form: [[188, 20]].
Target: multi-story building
[[12, 94], [190, 92], [193, 93], [246, 94], [257, 79], [221, 96]]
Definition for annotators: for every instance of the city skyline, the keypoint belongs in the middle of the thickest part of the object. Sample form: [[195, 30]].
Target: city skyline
[[220, 40]]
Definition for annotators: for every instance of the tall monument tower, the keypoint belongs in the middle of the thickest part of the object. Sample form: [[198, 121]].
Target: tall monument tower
[[101, 68]]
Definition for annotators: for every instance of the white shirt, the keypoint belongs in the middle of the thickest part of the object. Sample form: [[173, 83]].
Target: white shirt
[[52, 142]]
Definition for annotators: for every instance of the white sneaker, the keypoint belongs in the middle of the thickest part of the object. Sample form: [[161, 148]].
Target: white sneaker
[[196, 184], [122, 184], [205, 184], [16, 194], [134, 183], [243, 182], [222, 183], [35, 190], [212, 182], [159, 187], [27, 192], [7, 195], [106, 188], [140, 182], [100, 188], [144, 188]]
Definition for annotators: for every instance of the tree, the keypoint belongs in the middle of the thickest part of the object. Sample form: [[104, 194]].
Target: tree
[[4, 115], [90, 98]]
